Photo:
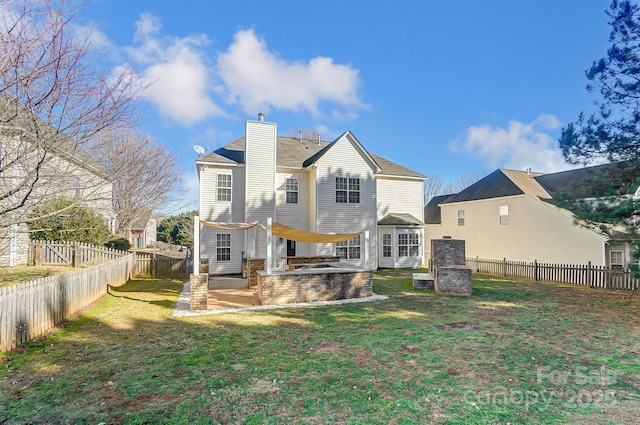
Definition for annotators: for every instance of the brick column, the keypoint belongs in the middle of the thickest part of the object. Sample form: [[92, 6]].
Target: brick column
[[198, 292]]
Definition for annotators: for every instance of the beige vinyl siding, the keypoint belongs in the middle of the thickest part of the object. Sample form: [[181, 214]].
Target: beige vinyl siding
[[212, 210], [535, 231], [294, 215], [397, 195], [345, 160]]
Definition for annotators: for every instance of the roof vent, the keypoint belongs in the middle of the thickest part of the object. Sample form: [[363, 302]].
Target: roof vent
[[261, 117]]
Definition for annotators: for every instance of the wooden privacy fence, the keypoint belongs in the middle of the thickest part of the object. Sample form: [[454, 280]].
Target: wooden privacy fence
[[588, 275], [42, 253], [151, 265], [30, 309]]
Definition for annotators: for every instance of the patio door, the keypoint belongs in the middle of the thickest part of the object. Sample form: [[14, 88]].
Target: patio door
[[291, 248]]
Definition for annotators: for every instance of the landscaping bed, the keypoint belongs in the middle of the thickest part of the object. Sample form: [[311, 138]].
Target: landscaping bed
[[515, 352]]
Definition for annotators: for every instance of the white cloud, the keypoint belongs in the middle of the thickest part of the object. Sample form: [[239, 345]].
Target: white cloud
[[519, 146], [174, 71], [257, 79]]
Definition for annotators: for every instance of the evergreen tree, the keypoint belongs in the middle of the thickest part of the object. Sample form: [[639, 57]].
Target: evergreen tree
[[177, 229], [62, 219]]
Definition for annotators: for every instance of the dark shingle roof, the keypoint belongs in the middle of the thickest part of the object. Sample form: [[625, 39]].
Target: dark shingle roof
[[296, 153], [432, 213], [400, 219], [619, 178], [495, 185]]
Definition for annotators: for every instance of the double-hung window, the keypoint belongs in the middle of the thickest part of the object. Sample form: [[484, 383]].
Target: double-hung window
[[223, 247], [347, 190], [408, 245], [504, 215], [386, 244], [349, 250], [291, 190], [460, 217], [224, 187], [617, 259]]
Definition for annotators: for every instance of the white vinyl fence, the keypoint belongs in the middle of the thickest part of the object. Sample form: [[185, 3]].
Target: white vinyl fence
[[30, 309]]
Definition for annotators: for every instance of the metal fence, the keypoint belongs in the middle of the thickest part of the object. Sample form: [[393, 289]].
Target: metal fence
[[30, 309], [588, 275]]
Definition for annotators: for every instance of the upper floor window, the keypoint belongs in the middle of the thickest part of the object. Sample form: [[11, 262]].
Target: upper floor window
[[386, 244], [291, 189], [460, 217], [224, 187], [78, 186], [349, 250], [347, 190], [504, 215]]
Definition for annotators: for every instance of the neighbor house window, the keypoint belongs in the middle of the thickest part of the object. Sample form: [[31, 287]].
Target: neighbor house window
[[224, 187], [223, 247], [504, 215], [408, 245], [386, 244], [349, 250], [347, 190], [460, 217], [617, 261], [291, 189]]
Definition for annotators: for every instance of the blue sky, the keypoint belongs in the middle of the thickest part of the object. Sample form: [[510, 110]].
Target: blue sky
[[439, 87]]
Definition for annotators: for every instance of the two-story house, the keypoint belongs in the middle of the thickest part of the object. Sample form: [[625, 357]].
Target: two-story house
[[527, 216], [314, 186], [37, 163]]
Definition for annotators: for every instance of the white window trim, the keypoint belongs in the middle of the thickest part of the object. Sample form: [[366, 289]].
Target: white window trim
[[223, 247], [351, 243], [408, 245], [287, 191], [389, 245], [347, 190], [504, 215], [461, 216], [229, 188]]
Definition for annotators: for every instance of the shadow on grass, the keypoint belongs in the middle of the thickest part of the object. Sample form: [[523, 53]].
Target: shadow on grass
[[362, 363]]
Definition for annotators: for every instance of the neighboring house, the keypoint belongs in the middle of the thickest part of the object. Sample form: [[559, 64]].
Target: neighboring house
[[522, 216], [143, 233], [36, 159], [313, 186]]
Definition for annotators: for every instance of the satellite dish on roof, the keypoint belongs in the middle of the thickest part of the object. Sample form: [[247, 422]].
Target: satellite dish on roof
[[199, 150]]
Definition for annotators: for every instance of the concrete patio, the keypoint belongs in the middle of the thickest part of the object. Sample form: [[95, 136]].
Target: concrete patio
[[230, 292]]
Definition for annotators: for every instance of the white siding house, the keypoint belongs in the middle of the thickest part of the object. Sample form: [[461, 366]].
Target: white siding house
[[36, 165], [308, 185]]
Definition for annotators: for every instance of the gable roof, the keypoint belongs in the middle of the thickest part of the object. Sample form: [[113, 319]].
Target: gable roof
[[495, 185], [300, 153], [400, 219]]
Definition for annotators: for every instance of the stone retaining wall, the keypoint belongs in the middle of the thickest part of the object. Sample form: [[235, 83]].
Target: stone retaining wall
[[453, 280], [313, 285]]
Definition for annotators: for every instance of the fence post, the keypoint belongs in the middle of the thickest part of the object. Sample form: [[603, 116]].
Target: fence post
[[153, 265], [589, 274], [535, 270], [76, 256], [504, 266], [37, 260]]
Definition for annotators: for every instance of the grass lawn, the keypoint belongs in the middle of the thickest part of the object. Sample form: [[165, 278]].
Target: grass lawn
[[15, 275], [515, 352]]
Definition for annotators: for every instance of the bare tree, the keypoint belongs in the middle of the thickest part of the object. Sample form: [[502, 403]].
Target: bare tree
[[304, 134], [144, 174], [53, 99], [433, 186]]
